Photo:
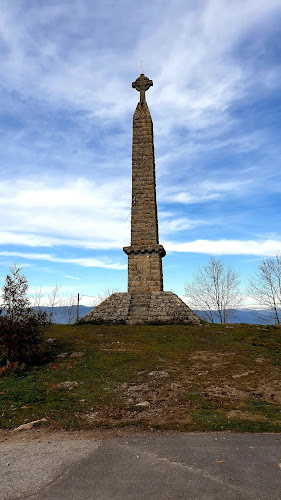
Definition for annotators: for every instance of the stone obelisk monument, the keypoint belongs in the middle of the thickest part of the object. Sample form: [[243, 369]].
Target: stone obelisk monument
[[145, 301], [145, 254]]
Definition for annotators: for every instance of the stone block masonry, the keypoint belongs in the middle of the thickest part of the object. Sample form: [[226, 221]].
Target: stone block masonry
[[144, 270], [144, 220], [112, 310], [138, 309], [145, 254], [145, 302]]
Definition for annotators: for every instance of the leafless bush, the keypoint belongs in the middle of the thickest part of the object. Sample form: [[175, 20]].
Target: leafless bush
[[265, 286], [215, 290]]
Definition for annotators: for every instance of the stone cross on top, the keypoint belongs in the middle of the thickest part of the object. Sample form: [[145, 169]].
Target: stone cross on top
[[142, 84]]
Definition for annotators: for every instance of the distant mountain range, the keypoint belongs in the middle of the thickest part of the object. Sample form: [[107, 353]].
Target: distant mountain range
[[252, 316], [67, 314]]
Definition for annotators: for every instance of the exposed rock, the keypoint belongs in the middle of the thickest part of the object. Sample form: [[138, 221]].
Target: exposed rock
[[159, 374], [29, 425], [143, 404], [244, 374], [68, 384], [62, 355], [77, 354]]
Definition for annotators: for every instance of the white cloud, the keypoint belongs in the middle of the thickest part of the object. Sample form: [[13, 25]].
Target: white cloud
[[84, 262], [175, 224], [81, 213], [91, 72], [71, 277], [188, 198], [198, 86], [226, 247], [203, 192]]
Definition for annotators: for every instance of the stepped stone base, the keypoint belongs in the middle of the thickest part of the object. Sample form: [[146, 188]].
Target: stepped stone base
[[137, 309]]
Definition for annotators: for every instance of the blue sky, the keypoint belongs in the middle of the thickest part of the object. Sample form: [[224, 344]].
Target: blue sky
[[66, 127]]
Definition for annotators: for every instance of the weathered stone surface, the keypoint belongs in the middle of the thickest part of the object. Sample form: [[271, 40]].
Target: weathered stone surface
[[135, 309], [145, 302], [167, 307], [114, 309], [145, 254]]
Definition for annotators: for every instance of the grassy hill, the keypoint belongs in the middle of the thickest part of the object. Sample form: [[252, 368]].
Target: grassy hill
[[184, 378]]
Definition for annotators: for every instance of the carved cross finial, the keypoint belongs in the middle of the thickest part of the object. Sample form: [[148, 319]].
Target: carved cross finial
[[142, 84]]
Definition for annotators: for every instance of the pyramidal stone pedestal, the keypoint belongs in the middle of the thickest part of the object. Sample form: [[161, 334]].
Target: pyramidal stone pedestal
[[145, 301]]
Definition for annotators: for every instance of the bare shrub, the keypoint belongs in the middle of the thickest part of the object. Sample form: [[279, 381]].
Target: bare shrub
[[215, 290], [265, 286]]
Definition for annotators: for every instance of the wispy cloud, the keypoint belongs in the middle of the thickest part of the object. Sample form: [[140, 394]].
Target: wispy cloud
[[84, 262], [170, 223], [226, 247], [81, 213]]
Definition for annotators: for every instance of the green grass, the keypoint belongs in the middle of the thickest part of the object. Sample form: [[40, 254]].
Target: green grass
[[220, 378]]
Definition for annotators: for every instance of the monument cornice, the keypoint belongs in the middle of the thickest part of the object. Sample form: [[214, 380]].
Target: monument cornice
[[146, 249]]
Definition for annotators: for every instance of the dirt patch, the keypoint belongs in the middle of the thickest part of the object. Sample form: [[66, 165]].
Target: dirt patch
[[151, 416], [210, 356], [165, 402], [266, 386], [226, 391], [205, 359], [270, 393], [243, 415], [204, 356], [49, 434]]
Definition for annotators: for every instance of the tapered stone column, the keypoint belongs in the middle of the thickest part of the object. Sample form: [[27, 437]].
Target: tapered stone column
[[145, 254], [145, 301]]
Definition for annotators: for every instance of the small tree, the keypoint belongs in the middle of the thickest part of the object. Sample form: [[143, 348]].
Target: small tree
[[14, 297], [54, 302], [69, 310], [215, 290], [265, 286], [20, 326]]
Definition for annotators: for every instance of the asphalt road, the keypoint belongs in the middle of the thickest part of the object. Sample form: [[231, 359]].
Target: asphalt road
[[175, 467]]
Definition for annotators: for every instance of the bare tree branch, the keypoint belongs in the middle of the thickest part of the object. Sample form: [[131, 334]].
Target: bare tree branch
[[215, 290], [265, 286], [54, 300]]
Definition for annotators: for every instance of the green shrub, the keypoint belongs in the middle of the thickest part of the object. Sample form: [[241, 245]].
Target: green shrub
[[21, 328], [22, 337]]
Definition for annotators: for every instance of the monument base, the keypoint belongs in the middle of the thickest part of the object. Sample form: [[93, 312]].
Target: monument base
[[137, 309]]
